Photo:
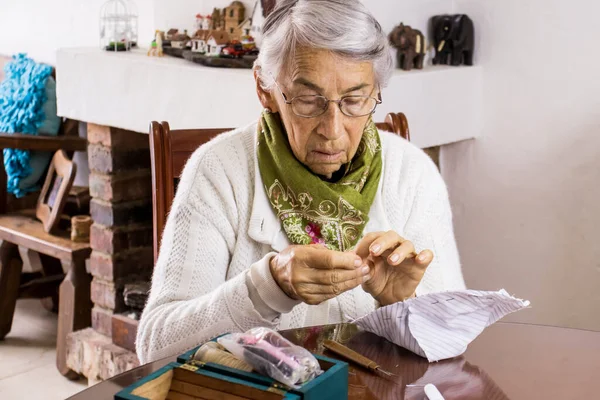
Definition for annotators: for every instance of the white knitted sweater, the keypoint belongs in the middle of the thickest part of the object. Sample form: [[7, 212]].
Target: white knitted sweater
[[212, 274]]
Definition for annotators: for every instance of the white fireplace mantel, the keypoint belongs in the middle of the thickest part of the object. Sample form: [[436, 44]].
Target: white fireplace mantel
[[129, 89]]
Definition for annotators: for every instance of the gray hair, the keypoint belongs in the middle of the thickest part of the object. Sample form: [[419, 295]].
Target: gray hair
[[344, 27]]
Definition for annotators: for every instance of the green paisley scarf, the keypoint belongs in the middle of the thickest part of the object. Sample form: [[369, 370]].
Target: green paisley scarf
[[312, 210]]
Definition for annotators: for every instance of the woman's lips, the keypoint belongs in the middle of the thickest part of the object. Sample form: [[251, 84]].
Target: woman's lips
[[327, 156]]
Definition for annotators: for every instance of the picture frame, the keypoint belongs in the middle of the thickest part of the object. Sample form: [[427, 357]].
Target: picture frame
[[53, 196]]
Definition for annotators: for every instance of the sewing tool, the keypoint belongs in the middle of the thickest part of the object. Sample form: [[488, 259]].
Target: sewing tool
[[215, 353], [351, 355]]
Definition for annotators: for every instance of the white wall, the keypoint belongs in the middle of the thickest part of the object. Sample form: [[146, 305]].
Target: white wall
[[526, 196], [39, 27]]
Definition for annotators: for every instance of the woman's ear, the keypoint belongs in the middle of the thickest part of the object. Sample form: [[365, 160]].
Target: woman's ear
[[265, 97]]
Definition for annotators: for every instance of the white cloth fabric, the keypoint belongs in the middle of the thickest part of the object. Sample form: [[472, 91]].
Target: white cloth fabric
[[212, 275], [440, 325]]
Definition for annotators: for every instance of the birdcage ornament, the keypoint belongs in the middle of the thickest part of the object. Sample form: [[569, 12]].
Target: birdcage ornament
[[118, 25]]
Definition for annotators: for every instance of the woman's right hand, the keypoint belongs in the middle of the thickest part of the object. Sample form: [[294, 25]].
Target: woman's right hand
[[313, 273]]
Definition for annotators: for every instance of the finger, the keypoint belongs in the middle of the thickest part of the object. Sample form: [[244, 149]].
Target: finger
[[362, 248], [388, 241], [320, 258], [315, 299], [336, 276], [313, 294], [424, 258], [324, 288], [401, 253], [340, 288], [332, 282]]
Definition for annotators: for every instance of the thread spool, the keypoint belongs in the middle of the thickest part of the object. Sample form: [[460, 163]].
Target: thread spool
[[80, 228], [215, 353]]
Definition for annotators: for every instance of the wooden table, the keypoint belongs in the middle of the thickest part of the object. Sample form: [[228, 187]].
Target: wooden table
[[507, 361]]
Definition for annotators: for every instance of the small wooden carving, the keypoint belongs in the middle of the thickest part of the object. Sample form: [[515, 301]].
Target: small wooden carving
[[55, 190], [454, 39], [80, 228], [411, 47], [156, 47]]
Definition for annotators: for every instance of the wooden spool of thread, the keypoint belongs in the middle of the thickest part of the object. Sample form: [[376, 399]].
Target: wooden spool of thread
[[80, 228], [215, 353]]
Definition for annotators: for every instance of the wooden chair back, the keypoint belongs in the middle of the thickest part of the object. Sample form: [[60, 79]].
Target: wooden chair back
[[170, 150]]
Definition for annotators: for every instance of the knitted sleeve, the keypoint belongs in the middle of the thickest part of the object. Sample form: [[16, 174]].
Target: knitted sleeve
[[429, 226], [191, 299]]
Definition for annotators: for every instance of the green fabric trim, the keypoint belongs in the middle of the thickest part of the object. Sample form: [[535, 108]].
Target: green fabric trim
[[312, 210]]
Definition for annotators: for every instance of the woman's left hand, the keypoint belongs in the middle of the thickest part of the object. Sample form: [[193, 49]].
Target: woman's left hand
[[396, 269]]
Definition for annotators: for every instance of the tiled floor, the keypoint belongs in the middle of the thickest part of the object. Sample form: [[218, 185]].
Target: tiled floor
[[27, 357]]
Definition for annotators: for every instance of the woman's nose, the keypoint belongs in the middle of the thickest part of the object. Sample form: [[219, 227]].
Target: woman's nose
[[331, 126]]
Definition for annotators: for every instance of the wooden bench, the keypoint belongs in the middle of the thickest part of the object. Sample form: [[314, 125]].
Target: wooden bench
[[74, 307], [62, 261]]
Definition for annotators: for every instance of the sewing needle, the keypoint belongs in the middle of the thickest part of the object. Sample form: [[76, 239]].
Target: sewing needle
[[351, 355]]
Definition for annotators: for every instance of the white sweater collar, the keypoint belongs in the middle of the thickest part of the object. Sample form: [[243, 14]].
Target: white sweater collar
[[265, 228]]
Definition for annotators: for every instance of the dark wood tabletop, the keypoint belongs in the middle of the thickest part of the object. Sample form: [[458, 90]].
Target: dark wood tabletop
[[507, 361]]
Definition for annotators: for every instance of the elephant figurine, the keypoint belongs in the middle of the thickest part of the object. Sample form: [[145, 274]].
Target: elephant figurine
[[411, 47], [454, 39]]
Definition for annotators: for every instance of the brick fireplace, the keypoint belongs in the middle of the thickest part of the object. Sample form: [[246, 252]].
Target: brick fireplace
[[121, 241]]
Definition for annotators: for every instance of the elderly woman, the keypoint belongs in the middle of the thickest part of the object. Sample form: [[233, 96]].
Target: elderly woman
[[310, 215]]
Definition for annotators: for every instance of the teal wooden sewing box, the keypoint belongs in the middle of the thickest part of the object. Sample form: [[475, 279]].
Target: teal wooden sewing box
[[188, 379]]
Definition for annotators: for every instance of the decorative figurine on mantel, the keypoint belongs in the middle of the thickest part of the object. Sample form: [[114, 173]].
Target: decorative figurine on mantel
[[218, 23], [203, 22], [118, 25], [180, 40], [156, 48], [234, 20], [249, 45], [176, 43], [171, 33], [411, 47], [222, 39], [199, 41], [216, 42], [454, 39]]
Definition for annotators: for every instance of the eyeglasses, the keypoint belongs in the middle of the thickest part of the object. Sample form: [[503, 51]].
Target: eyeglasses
[[311, 106]]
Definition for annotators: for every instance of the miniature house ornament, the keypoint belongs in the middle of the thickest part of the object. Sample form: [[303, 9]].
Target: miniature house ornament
[[118, 25], [224, 38], [203, 22]]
